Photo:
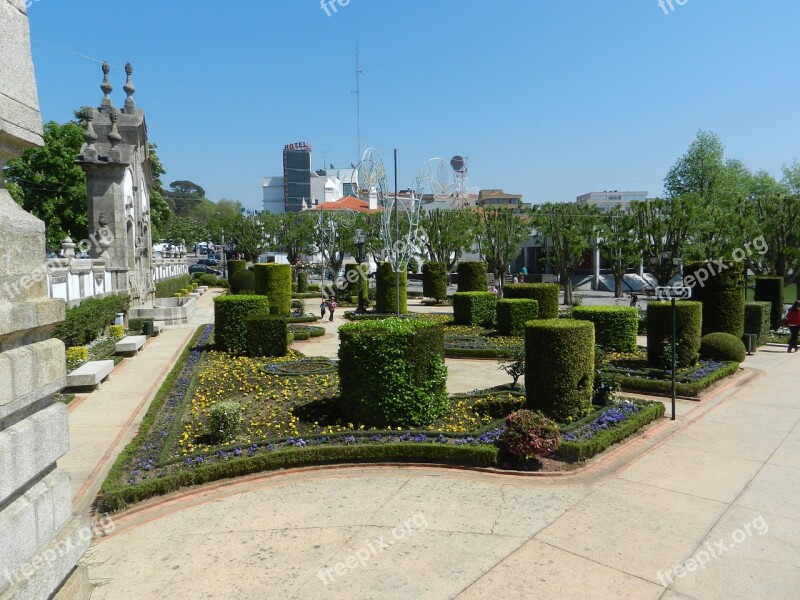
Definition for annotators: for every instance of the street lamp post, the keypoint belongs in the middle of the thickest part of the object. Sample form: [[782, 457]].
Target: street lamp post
[[224, 257], [359, 240]]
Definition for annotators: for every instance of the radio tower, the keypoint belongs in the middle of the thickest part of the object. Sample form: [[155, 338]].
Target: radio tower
[[461, 191], [357, 92]]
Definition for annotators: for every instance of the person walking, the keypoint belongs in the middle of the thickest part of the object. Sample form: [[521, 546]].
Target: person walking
[[322, 308], [793, 321], [332, 306], [634, 299]]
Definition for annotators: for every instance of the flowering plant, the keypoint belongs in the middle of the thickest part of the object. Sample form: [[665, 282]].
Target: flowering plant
[[529, 434]]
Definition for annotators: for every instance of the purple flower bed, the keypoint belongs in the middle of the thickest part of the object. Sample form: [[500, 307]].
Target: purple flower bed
[[610, 417]]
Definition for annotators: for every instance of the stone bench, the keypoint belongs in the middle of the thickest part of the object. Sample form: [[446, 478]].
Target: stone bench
[[91, 374], [158, 327], [131, 344], [202, 289]]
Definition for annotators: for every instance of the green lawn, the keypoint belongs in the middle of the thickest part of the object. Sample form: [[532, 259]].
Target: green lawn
[[789, 293]]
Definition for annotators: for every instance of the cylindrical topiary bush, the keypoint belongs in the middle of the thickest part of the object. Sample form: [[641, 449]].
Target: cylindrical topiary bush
[[302, 282], [757, 317], [615, 327], [235, 266], [474, 308], [352, 280], [513, 313], [243, 282], [559, 367], [722, 346], [392, 372], [688, 325], [546, 294], [434, 280], [770, 289], [386, 290], [267, 335], [275, 282], [472, 276], [230, 320], [720, 287]]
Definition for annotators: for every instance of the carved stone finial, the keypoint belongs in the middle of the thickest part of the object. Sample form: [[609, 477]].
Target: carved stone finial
[[130, 89], [113, 136], [89, 135], [106, 86], [68, 247]]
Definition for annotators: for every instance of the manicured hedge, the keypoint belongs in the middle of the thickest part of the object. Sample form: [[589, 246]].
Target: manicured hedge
[[472, 276], [230, 320], [275, 282], [243, 281], [721, 293], [392, 372], [559, 373], [757, 320], [546, 294], [722, 346], [267, 335], [87, 321], [663, 387], [513, 313], [474, 308], [386, 290], [615, 327], [688, 324], [770, 289], [235, 266], [434, 280], [302, 282], [352, 280], [168, 287]]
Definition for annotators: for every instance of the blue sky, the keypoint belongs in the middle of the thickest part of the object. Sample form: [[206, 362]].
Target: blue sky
[[548, 98]]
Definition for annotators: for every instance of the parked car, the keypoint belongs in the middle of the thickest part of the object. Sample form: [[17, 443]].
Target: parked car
[[198, 268], [211, 262]]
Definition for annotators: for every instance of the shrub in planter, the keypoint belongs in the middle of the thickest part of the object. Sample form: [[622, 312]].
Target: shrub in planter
[[530, 434], [168, 287], [615, 327], [224, 421], [722, 295], [302, 282], [76, 356], [513, 313], [757, 319], [392, 372], [267, 335], [275, 282], [559, 372], [688, 325], [546, 294], [209, 280], [386, 290], [235, 266], [472, 276], [474, 308], [722, 346], [770, 289], [243, 282], [434, 280], [87, 321], [116, 332], [230, 320]]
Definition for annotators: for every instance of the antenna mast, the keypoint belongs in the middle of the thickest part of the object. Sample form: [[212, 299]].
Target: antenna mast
[[357, 92]]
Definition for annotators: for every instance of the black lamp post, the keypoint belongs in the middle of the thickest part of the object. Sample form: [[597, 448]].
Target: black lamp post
[[359, 240]]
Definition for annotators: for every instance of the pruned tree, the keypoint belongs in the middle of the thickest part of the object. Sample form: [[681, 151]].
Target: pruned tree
[[619, 244], [446, 234], [501, 232]]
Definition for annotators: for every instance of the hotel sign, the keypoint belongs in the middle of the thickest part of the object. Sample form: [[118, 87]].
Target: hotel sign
[[298, 146]]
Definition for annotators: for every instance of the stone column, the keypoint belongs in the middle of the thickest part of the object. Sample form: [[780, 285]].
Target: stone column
[[41, 540]]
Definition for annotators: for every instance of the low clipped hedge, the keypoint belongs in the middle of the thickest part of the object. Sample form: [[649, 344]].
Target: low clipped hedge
[[386, 290], [472, 276], [770, 289], [585, 449], [688, 325], [663, 387], [474, 308], [615, 327], [392, 372], [230, 320], [434, 280], [168, 287], [87, 321], [275, 282], [721, 291], [757, 318], [513, 313], [243, 281], [722, 346], [546, 294], [559, 373], [267, 335]]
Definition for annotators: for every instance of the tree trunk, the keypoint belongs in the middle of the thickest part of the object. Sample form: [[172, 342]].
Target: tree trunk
[[568, 291], [617, 286]]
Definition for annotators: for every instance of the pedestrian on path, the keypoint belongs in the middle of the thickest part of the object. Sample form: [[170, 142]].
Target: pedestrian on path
[[322, 308], [634, 299], [793, 321], [332, 306]]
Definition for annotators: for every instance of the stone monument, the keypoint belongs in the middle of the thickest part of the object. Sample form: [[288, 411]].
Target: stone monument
[[41, 540], [115, 156]]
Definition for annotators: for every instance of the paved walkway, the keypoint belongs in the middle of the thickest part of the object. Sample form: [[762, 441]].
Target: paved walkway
[[702, 508]]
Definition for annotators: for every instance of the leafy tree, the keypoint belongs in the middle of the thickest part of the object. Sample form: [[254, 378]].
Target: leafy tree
[[292, 233], [248, 235], [501, 234], [48, 183], [619, 244], [184, 196], [160, 213], [663, 228], [446, 234]]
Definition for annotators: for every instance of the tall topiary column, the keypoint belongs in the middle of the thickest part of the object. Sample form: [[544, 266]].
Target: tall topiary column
[[275, 282], [757, 320], [392, 372], [472, 276], [434, 280], [234, 266], [770, 289], [688, 326], [302, 282], [615, 327], [559, 367], [546, 294], [386, 290], [353, 279], [722, 294]]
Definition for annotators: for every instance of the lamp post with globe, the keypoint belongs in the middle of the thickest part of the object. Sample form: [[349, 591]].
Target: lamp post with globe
[[359, 241]]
